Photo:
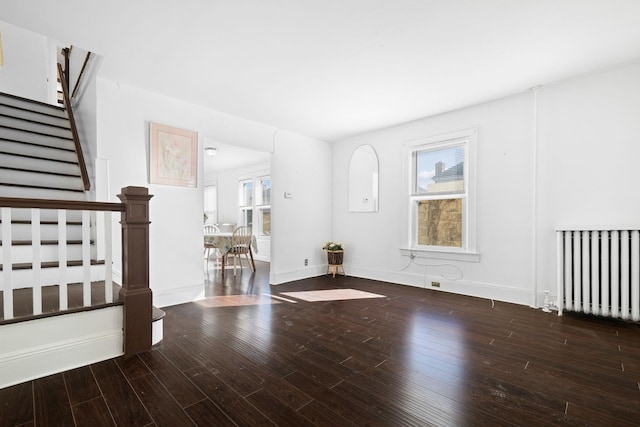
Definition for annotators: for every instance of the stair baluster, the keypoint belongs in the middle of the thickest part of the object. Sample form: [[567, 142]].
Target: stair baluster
[[36, 266], [7, 273]]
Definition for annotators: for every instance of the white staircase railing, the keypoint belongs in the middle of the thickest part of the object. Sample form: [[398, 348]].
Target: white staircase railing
[[135, 294], [24, 263]]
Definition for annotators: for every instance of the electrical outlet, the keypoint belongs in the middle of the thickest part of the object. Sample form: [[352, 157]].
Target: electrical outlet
[[306, 261], [435, 284]]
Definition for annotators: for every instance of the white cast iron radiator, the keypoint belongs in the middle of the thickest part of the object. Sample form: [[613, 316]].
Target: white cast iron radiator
[[599, 272]]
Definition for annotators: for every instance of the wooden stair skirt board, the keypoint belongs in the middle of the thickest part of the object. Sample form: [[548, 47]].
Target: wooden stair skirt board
[[40, 347]]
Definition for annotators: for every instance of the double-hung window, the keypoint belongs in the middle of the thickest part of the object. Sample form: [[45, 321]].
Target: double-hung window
[[441, 200], [263, 205], [211, 204], [246, 202], [255, 204]]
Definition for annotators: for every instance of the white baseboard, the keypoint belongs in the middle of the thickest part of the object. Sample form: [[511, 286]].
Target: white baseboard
[[492, 291], [41, 347], [174, 296], [117, 276], [157, 331], [280, 277]]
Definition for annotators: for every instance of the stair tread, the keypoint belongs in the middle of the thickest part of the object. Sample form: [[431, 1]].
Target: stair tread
[[26, 222], [36, 157], [42, 187], [72, 175], [68, 137], [22, 143], [40, 193], [27, 101], [37, 122], [44, 242], [51, 264], [23, 301]]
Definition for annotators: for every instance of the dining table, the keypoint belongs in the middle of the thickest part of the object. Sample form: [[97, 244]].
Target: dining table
[[222, 242]]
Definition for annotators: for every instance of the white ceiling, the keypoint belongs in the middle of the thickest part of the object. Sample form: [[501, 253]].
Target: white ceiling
[[231, 156], [334, 68]]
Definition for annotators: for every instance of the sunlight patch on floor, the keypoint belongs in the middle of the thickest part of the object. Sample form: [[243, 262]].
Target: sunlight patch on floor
[[331, 295], [235, 301]]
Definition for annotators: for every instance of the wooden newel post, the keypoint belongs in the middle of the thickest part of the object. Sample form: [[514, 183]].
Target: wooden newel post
[[135, 293]]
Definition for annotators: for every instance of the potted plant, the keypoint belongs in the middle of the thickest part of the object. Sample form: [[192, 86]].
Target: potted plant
[[335, 252]]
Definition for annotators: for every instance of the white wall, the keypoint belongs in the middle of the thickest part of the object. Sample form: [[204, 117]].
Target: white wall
[[300, 164], [504, 183], [579, 172], [124, 114], [589, 148], [301, 224], [26, 63]]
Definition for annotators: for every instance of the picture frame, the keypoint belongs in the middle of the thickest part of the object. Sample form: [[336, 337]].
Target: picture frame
[[173, 156]]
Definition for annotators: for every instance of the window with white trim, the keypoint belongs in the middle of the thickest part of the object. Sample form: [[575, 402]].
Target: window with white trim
[[246, 202], [441, 203], [263, 205], [211, 204]]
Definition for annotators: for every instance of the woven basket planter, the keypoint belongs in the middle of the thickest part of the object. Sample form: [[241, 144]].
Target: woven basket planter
[[335, 257]]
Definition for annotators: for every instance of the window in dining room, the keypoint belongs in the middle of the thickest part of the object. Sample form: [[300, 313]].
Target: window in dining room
[[246, 202], [263, 205], [210, 204]]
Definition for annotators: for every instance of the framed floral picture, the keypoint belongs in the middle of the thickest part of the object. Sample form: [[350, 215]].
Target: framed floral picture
[[173, 156]]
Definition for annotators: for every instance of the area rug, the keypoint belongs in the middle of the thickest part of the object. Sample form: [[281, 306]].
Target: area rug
[[235, 301], [331, 295]]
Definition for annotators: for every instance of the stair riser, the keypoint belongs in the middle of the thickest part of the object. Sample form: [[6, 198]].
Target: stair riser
[[38, 193], [48, 253], [35, 127], [40, 179], [33, 138], [47, 232], [20, 149], [51, 276], [33, 116], [38, 165], [28, 105]]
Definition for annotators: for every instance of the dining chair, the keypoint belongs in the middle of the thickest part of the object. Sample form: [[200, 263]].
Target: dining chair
[[240, 245], [210, 229]]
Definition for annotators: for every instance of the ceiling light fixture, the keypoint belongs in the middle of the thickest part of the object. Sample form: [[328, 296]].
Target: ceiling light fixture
[[211, 151]]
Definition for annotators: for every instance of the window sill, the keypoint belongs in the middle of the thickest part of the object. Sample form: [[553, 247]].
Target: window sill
[[449, 255]]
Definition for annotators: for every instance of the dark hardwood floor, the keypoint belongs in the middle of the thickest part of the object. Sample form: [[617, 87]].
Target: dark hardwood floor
[[414, 357]]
